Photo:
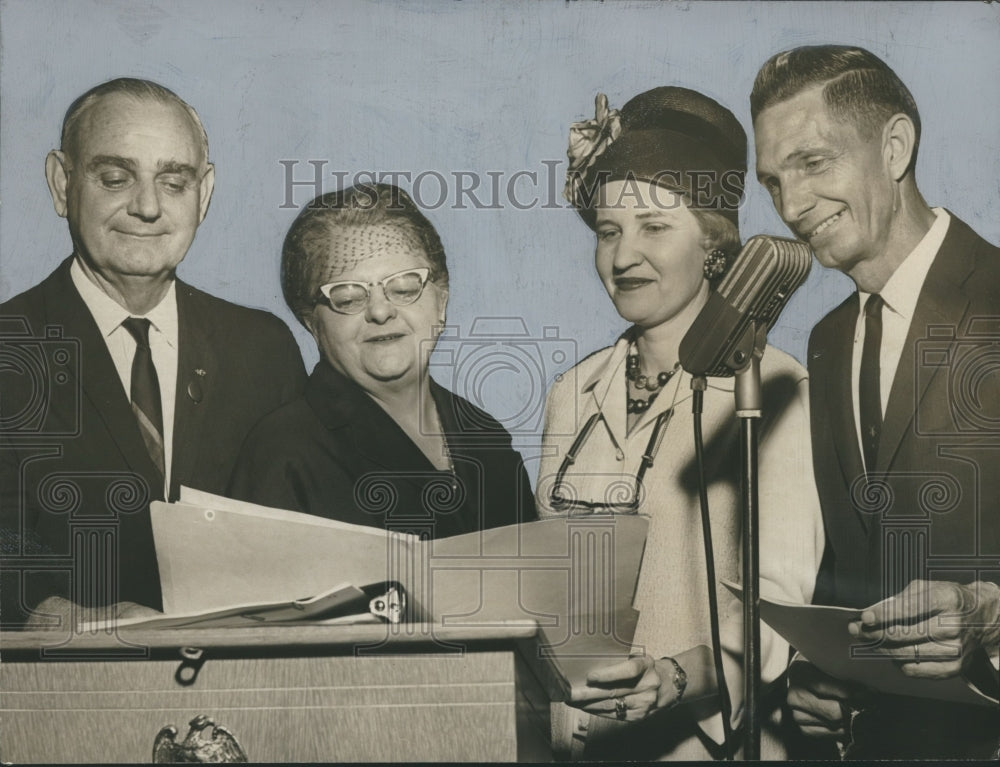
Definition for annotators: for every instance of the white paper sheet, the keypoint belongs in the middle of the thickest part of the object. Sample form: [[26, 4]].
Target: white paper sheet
[[215, 553], [820, 634]]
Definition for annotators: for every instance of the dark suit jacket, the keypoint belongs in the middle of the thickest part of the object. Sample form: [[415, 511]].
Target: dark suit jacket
[[336, 454], [932, 509], [75, 472]]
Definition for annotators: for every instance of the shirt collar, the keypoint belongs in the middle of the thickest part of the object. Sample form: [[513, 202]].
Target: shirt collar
[[607, 386], [109, 314], [609, 369], [901, 292], [163, 316], [600, 380]]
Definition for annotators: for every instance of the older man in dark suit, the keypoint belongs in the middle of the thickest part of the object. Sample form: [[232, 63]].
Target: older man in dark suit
[[121, 383], [905, 398]]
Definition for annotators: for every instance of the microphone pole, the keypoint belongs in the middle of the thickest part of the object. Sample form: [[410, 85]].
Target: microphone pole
[[749, 407], [728, 339]]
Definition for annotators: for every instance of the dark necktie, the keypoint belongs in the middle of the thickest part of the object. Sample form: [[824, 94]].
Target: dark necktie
[[146, 392], [870, 397]]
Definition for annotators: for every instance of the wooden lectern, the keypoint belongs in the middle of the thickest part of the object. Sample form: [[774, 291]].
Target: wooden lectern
[[306, 693], [474, 685]]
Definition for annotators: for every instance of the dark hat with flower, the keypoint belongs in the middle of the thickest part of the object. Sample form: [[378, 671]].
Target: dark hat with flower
[[674, 137]]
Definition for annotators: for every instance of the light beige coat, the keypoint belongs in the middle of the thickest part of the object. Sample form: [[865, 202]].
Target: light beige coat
[[672, 590]]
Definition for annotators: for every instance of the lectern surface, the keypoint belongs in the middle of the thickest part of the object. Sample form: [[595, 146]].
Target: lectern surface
[[402, 693]]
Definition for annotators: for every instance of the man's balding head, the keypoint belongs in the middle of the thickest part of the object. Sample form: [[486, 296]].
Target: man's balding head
[[75, 119]]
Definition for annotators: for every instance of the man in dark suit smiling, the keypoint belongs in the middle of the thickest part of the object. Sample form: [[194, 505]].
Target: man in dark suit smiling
[[905, 399], [154, 383]]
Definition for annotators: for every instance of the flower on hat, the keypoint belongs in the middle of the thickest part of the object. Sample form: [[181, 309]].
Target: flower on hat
[[588, 140]]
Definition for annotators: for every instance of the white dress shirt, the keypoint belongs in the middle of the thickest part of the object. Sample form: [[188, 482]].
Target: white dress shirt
[[900, 295], [163, 344]]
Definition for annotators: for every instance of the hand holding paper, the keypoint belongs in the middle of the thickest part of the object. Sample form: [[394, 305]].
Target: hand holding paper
[[933, 627], [819, 701], [823, 635], [636, 681]]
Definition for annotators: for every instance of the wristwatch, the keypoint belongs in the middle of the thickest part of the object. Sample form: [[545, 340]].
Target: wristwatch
[[680, 682]]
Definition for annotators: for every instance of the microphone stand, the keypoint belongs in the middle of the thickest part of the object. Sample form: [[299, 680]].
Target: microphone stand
[[745, 364]]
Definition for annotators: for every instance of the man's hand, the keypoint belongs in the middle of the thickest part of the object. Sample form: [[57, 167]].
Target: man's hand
[[58, 613], [818, 700], [932, 627], [52, 613]]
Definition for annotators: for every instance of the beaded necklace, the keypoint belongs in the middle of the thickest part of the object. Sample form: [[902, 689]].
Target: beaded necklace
[[644, 383]]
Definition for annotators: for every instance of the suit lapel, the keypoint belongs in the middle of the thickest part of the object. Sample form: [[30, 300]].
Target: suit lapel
[[196, 383], [100, 382], [941, 303], [836, 373]]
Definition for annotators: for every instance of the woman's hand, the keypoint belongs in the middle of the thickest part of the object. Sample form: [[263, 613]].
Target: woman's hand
[[630, 690]]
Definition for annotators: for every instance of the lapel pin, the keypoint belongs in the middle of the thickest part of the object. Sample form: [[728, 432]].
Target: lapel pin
[[194, 390]]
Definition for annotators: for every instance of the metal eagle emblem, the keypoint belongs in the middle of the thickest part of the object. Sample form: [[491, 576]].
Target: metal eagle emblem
[[205, 743]]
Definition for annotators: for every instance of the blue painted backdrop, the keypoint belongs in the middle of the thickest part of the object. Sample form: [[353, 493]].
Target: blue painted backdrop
[[474, 88]]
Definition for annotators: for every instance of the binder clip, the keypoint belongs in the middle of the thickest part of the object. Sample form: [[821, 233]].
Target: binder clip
[[390, 606]]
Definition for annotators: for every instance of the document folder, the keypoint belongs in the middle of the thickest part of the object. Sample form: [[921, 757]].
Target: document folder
[[574, 576]]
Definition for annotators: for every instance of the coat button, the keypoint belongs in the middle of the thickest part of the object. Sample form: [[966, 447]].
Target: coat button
[[195, 392]]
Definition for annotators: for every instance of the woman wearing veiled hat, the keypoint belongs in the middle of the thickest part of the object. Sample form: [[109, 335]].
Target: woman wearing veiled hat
[[660, 184], [374, 440]]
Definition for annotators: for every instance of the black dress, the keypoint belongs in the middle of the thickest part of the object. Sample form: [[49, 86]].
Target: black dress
[[335, 453]]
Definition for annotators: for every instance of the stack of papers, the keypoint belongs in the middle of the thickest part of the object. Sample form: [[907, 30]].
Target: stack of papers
[[225, 562], [342, 604]]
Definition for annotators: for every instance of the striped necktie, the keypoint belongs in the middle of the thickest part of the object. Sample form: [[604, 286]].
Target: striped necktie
[[146, 392]]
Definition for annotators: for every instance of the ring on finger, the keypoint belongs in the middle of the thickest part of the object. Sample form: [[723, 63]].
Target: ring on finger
[[621, 710], [916, 654]]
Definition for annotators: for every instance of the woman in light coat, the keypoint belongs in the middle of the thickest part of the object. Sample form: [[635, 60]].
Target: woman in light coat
[[660, 184]]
